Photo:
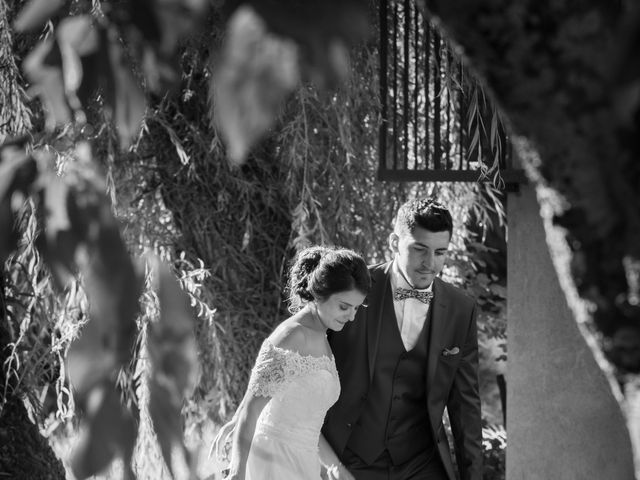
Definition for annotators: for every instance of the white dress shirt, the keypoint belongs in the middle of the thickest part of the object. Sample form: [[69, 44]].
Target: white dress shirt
[[411, 313]]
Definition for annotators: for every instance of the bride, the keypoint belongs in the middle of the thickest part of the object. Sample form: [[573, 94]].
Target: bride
[[275, 433]]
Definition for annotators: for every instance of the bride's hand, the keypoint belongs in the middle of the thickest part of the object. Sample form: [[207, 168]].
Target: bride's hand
[[339, 472], [234, 474], [221, 443]]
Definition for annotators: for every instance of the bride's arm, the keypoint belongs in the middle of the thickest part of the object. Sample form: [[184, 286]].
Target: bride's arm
[[267, 377], [331, 463], [246, 419]]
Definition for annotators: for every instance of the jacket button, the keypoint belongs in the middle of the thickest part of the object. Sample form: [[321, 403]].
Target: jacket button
[[348, 425]]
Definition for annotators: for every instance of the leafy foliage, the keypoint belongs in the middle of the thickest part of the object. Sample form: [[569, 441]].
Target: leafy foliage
[[39, 327], [17, 172], [494, 445], [81, 237], [259, 72], [85, 56], [269, 48], [245, 222], [310, 180], [174, 366], [14, 115], [487, 132], [109, 431]]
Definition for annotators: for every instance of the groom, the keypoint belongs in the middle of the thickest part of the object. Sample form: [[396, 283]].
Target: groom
[[410, 353]]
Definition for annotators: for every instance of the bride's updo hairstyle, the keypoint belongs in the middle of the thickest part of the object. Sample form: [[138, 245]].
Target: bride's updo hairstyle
[[319, 272]]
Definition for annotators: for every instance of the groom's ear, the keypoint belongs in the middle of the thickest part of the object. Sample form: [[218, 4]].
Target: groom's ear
[[393, 242]]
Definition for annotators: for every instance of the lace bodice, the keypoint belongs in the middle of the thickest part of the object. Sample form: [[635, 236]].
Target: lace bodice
[[301, 387]]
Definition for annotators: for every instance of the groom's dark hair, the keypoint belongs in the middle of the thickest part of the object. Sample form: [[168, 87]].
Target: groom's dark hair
[[425, 213]]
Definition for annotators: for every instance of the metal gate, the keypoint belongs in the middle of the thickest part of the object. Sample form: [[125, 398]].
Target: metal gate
[[437, 124]]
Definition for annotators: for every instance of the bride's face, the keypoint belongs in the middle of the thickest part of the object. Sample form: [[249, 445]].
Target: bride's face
[[339, 308]]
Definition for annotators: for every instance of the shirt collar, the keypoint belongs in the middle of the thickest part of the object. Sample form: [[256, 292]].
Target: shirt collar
[[399, 281]]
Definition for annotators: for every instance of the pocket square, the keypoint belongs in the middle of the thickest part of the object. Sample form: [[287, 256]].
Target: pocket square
[[450, 351]]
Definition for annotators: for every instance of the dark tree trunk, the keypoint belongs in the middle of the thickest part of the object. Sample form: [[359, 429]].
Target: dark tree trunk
[[24, 453]]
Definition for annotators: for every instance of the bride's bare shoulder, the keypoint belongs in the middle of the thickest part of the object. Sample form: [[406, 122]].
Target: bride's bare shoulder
[[290, 335]]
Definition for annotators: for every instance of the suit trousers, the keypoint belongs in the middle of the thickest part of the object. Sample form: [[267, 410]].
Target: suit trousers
[[424, 466]]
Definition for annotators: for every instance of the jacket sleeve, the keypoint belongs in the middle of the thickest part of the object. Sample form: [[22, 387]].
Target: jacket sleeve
[[463, 405]]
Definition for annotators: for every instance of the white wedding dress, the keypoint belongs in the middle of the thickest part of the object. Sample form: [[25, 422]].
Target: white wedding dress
[[302, 388]]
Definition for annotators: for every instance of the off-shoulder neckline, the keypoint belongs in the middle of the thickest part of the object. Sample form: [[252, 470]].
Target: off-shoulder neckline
[[294, 352]]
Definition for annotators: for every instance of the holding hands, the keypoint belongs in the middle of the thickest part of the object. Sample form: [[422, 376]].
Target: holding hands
[[336, 472], [221, 446]]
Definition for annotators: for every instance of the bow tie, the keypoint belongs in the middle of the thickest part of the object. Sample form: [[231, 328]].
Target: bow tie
[[404, 293]]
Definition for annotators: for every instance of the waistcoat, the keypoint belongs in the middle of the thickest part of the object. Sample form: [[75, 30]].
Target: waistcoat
[[395, 415]]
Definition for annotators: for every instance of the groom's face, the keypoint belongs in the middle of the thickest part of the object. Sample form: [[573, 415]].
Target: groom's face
[[420, 254]]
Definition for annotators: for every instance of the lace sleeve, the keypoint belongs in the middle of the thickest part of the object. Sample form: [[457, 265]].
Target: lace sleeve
[[268, 374]]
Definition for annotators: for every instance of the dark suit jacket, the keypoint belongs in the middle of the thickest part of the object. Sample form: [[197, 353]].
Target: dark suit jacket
[[452, 380]]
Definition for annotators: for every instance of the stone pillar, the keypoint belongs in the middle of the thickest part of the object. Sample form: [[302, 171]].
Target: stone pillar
[[562, 420]]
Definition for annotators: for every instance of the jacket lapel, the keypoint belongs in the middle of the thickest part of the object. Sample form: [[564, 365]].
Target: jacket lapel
[[374, 314], [439, 327]]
